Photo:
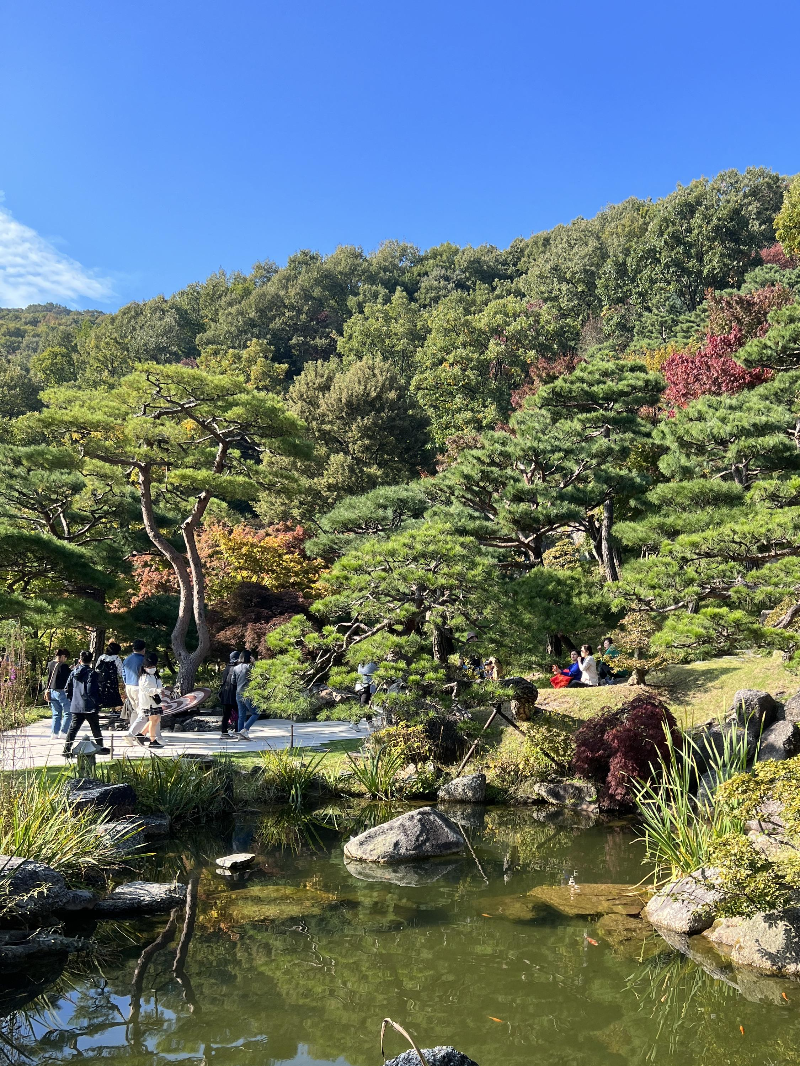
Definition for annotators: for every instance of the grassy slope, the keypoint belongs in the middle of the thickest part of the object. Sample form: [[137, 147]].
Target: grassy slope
[[695, 692]]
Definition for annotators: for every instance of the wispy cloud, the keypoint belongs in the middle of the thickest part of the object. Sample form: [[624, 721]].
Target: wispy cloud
[[33, 271]]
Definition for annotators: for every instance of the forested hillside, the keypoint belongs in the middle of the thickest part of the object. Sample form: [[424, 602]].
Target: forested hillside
[[596, 427]]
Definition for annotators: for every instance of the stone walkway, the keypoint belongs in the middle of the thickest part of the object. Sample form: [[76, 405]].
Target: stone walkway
[[33, 746]]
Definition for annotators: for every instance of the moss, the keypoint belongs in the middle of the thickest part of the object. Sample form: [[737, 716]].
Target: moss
[[745, 793]]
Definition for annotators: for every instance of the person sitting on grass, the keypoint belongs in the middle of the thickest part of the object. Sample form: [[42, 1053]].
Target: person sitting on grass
[[588, 667], [570, 676], [83, 693]]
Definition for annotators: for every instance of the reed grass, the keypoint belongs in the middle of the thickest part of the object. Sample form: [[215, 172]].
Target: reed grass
[[377, 771], [182, 788], [291, 774]]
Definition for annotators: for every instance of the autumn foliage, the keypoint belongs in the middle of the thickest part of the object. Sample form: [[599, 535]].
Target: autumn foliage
[[619, 747]]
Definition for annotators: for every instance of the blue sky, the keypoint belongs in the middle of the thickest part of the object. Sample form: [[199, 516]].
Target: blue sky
[[145, 144]]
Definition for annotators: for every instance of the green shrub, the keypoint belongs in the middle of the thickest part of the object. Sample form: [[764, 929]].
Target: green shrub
[[289, 774], [182, 788], [377, 772], [411, 740], [544, 751], [38, 822]]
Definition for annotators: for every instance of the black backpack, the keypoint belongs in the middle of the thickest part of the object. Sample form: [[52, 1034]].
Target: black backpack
[[227, 690], [109, 687]]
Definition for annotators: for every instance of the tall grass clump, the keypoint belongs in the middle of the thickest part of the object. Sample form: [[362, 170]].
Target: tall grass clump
[[377, 771], [182, 788], [290, 775], [680, 830], [37, 822]]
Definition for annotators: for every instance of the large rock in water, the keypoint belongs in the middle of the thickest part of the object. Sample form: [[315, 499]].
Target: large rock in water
[[687, 906], [468, 789], [141, 897], [434, 1056], [31, 890], [780, 741], [768, 942], [86, 793], [421, 834]]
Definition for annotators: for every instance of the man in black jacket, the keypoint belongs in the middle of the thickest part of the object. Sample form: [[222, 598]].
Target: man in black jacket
[[83, 691], [56, 677]]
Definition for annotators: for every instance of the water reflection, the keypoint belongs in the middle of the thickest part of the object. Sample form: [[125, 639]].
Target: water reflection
[[300, 960]]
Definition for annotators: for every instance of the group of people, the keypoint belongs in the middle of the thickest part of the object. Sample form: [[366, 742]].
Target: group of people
[[78, 691], [238, 711], [585, 670]]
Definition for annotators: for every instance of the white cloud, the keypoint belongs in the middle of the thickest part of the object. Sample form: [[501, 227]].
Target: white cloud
[[33, 271]]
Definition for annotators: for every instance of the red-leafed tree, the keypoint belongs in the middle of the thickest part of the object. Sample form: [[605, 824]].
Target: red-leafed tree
[[711, 371], [744, 311], [541, 371], [776, 256]]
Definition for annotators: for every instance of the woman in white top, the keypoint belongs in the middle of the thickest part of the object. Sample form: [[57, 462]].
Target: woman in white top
[[588, 667], [149, 704]]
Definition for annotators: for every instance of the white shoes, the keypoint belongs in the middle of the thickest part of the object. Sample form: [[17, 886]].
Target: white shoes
[[244, 734]]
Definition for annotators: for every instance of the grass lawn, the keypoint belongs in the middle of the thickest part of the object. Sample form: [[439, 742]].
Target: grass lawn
[[334, 752], [695, 692]]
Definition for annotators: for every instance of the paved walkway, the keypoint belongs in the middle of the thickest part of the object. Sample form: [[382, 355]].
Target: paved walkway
[[33, 746]]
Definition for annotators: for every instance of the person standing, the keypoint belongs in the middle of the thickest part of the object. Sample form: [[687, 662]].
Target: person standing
[[227, 697], [247, 712], [109, 667], [149, 701], [57, 674], [83, 690], [588, 667], [366, 687]]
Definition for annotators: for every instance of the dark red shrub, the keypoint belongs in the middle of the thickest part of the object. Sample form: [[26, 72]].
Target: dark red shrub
[[710, 372], [617, 748], [776, 255]]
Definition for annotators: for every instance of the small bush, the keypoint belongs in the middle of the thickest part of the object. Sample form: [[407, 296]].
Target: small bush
[[377, 772], [545, 751], [290, 774], [618, 748], [411, 740]]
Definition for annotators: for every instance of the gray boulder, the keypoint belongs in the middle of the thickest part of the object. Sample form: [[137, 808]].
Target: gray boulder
[[687, 906], [768, 942], [198, 724], [31, 890], [580, 795], [86, 793], [468, 789], [421, 834], [152, 826], [780, 741], [80, 900], [434, 1056], [237, 861], [712, 736], [751, 705], [18, 949], [791, 709], [141, 897]]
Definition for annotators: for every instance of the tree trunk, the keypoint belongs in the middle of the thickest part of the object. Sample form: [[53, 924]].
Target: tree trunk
[[443, 646], [606, 547], [97, 642], [554, 646]]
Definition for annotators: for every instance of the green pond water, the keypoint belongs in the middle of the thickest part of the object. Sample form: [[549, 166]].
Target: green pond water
[[300, 961]]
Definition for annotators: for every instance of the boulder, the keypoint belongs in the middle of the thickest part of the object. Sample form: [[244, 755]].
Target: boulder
[[30, 889], [581, 795], [198, 724], [711, 737], [238, 861], [152, 826], [21, 948], [751, 705], [687, 906], [86, 793], [141, 897], [468, 789], [125, 835], [591, 900], [768, 942], [421, 834], [780, 741], [434, 1056], [791, 709], [80, 900]]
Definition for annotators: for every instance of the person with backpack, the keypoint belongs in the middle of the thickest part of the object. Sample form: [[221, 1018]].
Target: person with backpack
[[57, 674], [83, 692], [109, 667], [149, 708], [227, 697]]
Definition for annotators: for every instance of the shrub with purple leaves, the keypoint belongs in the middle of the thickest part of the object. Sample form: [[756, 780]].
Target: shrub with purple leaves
[[617, 748]]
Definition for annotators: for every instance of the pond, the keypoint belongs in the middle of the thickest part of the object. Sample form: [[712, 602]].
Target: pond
[[299, 961]]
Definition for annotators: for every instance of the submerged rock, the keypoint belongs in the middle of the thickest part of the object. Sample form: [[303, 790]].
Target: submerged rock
[[434, 1056], [468, 789], [141, 897], [20, 948], [259, 904], [408, 874], [780, 741], [687, 906], [86, 793], [422, 834], [588, 901], [628, 936]]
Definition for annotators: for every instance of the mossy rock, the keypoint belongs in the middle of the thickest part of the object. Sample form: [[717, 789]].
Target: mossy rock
[[591, 900], [513, 908], [629, 937], [264, 903]]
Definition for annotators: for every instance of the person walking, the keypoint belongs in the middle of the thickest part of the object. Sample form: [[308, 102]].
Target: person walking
[[365, 686], [131, 666], [149, 702], [109, 667], [57, 673], [227, 697], [83, 690], [247, 712]]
